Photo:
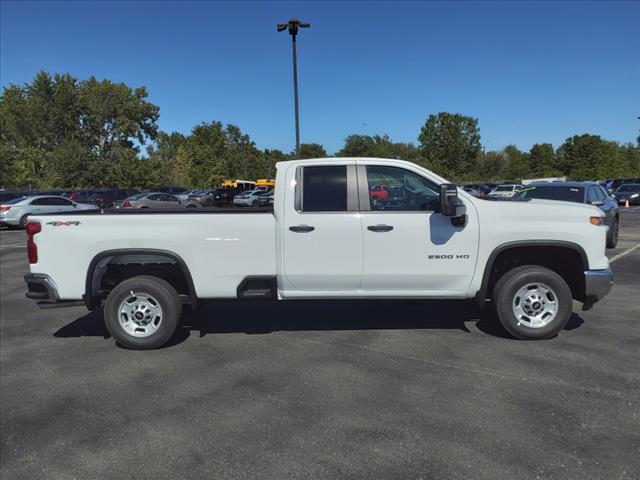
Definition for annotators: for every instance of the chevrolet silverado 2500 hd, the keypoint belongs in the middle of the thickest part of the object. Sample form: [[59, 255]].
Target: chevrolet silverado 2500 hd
[[329, 235]]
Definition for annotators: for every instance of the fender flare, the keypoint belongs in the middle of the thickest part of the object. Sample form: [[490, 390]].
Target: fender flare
[[94, 275], [481, 294]]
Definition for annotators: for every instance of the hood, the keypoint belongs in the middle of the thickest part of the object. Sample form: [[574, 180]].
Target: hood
[[537, 207]]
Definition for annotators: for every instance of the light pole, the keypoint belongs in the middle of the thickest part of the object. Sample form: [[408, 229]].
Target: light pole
[[293, 26]]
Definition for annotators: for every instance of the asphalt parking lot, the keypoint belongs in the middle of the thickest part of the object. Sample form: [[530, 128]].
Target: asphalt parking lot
[[327, 389]]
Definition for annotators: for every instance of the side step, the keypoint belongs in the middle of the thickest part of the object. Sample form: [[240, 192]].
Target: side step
[[258, 287]]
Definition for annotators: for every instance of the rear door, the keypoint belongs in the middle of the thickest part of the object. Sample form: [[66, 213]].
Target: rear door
[[321, 231], [410, 249]]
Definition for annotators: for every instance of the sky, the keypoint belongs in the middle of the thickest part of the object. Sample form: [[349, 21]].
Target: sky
[[529, 72]]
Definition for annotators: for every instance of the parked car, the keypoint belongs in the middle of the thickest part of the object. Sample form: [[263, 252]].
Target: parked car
[[248, 199], [481, 189], [591, 193], [153, 200], [266, 200], [80, 196], [323, 240], [504, 191], [611, 185], [223, 197], [627, 191], [202, 197], [378, 194], [185, 195], [474, 191], [16, 212], [109, 198]]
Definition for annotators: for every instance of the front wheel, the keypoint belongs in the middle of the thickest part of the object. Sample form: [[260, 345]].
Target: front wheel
[[532, 302], [142, 312]]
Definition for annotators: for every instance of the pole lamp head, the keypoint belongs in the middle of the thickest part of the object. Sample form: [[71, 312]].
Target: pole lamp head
[[293, 26]]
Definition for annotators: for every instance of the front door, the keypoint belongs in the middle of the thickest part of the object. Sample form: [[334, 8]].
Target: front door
[[321, 232], [409, 248]]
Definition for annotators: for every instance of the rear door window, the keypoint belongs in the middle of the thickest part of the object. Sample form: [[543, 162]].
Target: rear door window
[[324, 189], [60, 201], [40, 201]]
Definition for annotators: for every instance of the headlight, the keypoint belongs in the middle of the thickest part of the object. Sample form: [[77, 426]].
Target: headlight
[[635, 195]]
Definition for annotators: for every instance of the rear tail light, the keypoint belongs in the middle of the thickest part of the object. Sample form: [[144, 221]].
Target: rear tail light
[[32, 249], [5, 209], [126, 204]]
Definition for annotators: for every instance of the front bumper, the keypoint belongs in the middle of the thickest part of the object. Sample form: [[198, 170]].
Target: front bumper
[[41, 288], [597, 284]]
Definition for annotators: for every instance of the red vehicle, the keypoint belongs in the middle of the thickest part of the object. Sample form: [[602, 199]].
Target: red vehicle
[[378, 194]]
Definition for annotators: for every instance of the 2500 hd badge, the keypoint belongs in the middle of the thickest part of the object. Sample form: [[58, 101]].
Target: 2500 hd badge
[[448, 257]]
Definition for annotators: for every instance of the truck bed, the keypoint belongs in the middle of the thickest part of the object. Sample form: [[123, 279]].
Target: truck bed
[[220, 246]]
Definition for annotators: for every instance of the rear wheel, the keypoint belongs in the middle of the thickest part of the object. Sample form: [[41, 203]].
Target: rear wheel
[[142, 312], [532, 302], [612, 235], [24, 220]]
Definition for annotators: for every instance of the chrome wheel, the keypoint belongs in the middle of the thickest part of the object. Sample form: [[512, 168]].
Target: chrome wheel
[[140, 315], [535, 305]]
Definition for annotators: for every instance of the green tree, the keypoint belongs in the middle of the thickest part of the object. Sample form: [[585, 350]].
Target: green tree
[[357, 146], [590, 157], [450, 144], [490, 166], [542, 160], [311, 150], [113, 114], [517, 164]]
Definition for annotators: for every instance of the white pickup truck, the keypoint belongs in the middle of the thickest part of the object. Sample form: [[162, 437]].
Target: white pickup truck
[[340, 228]]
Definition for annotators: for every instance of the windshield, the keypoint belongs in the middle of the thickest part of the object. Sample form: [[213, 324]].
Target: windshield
[[505, 188], [629, 188], [565, 194]]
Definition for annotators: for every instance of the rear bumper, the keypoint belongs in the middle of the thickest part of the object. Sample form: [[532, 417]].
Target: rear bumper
[[597, 285], [41, 288]]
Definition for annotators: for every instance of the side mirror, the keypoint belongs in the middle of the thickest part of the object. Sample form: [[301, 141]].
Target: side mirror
[[451, 205]]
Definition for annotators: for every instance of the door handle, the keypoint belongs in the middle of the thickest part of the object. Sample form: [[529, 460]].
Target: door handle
[[380, 228], [302, 228]]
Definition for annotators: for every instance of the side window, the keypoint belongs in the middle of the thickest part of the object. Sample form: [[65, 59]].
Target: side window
[[40, 201], [169, 198], [59, 201], [154, 198], [324, 189], [591, 195], [397, 189], [600, 194]]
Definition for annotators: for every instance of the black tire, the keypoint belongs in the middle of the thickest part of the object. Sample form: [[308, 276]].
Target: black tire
[[24, 220], [191, 206], [504, 298], [612, 235], [165, 295]]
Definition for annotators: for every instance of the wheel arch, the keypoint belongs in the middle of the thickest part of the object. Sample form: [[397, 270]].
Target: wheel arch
[[138, 256], [512, 254]]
